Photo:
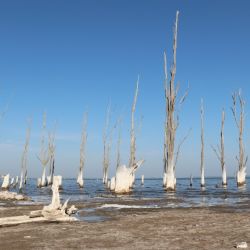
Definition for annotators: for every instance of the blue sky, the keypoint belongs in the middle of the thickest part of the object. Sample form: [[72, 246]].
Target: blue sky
[[66, 57]]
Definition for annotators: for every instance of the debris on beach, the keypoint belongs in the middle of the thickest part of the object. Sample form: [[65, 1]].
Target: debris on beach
[[241, 245], [6, 195], [55, 211]]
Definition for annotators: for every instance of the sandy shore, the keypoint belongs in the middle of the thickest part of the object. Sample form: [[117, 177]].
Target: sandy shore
[[182, 228]]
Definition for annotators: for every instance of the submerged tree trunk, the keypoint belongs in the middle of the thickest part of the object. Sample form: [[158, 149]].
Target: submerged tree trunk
[[242, 159], [6, 182], [106, 147], [132, 136], [82, 151], [118, 158], [202, 146], [132, 129], [123, 178], [52, 149], [171, 123], [23, 175], [44, 156], [220, 152]]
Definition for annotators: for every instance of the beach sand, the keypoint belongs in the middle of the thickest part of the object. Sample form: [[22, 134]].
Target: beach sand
[[146, 228]]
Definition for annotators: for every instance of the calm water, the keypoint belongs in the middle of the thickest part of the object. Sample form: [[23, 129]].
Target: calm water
[[151, 192]]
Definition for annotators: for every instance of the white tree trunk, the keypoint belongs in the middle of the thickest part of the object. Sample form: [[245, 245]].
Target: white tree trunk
[[125, 177], [80, 179], [142, 180], [202, 178], [112, 184], [12, 181], [191, 181], [39, 182], [58, 179], [202, 147], [43, 180], [171, 121], [164, 181], [21, 182], [6, 182], [170, 180], [224, 177], [123, 180], [240, 122], [55, 203], [241, 177]]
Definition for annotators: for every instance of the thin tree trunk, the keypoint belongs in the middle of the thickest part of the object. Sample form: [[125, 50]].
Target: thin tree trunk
[[242, 159], [132, 129], [23, 175], [118, 159], [220, 152], [202, 146], [82, 150], [106, 148], [44, 155], [169, 180]]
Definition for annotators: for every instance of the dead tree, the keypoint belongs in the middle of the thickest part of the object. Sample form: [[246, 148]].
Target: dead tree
[[82, 150], [171, 121], [52, 149], [132, 159], [202, 147], [44, 155], [118, 158], [220, 151], [23, 175], [239, 121], [106, 146], [132, 129]]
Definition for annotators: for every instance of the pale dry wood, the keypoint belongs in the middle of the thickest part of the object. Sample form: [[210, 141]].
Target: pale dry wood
[[24, 160], [240, 122], [132, 158], [44, 155], [106, 145], [82, 150], [202, 168], [220, 151], [172, 119]]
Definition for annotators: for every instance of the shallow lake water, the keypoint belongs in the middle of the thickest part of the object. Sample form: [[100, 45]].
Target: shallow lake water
[[152, 193]]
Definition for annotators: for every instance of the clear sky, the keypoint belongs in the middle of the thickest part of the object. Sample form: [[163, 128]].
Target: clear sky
[[66, 57]]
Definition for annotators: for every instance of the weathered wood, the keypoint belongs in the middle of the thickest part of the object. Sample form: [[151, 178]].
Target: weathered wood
[[240, 122], [24, 160], [44, 154], [106, 146], [6, 182], [202, 168], [82, 151], [220, 152], [171, 121]]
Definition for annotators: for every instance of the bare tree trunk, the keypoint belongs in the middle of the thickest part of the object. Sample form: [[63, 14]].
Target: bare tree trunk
[[82, 150], [118, 159], [242, 159], [24, 157], [106, 146], [44, 155], [191, 181], [202, 146], [171, 123], [52, 149], [132, 129], [220, 152], [132, 158]]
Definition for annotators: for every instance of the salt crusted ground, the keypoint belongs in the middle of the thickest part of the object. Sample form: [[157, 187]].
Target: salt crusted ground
[[184, 228]]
